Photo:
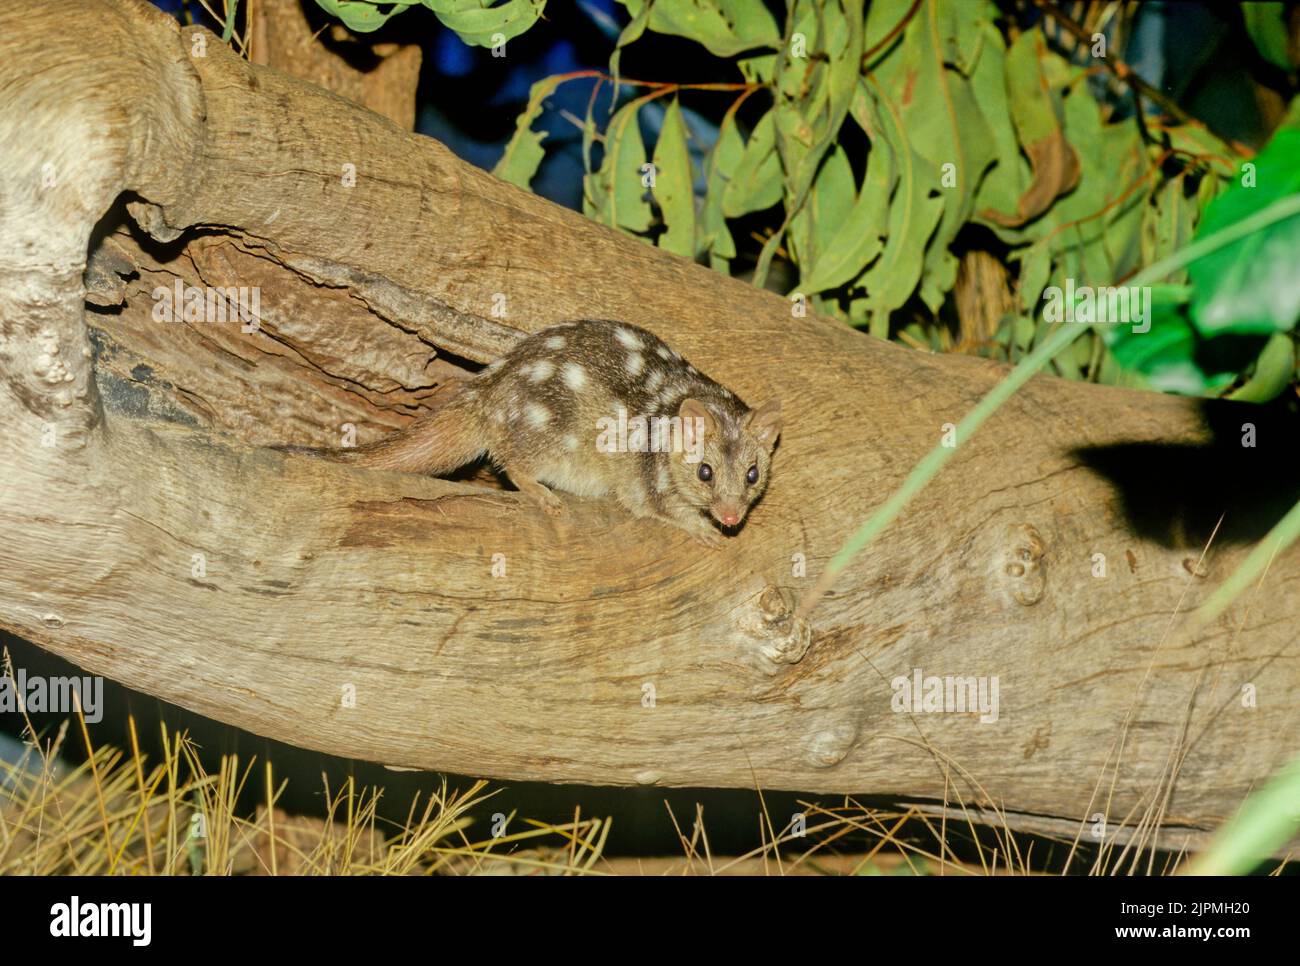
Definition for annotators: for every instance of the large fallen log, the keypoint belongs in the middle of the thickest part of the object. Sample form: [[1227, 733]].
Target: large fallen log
[[147, 533]]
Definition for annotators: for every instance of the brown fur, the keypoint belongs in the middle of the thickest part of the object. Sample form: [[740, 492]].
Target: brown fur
[[545, 414]]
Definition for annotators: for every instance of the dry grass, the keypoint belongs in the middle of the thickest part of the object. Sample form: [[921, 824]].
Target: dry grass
[[117, 814]]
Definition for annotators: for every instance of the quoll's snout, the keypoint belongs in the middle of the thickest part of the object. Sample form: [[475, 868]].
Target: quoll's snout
[[727, 516]]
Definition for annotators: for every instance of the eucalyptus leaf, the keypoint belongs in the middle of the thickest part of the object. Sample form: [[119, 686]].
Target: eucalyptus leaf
[[936, 104], [715, 238], [482, 24], [524, 153], [617, 192], [1036, 114], [914, 209], [674, 184], [852, 240], [756, 184], [1274, 369], [361, 16], [725, 27]]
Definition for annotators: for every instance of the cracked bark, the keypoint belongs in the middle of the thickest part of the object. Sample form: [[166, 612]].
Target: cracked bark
[[160, 543]]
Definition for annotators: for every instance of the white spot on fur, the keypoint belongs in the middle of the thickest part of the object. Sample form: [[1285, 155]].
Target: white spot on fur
[[664, 352], [538, 415], [575, 377], [635, 363], [653, 380], [570, 442], [669, 392], [555, 342], [541, 369], [627, 338]]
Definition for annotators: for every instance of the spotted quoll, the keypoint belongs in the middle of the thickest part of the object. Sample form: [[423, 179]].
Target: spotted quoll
[[600, 409]]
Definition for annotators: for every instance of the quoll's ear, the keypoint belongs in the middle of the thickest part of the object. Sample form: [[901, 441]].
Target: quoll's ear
[[765, 422], [692, 409]]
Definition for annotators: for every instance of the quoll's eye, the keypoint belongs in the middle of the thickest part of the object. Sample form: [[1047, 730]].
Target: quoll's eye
[[705, 472], [752, 476]]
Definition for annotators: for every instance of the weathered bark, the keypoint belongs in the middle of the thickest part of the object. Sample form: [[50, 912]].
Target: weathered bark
[[377, 74], [480, 636]]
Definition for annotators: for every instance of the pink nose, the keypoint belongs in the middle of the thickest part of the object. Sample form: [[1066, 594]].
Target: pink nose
[[728, 518]]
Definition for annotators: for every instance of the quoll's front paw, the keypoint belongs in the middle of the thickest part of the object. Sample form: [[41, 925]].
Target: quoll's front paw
[[553, 506], [710, 537]]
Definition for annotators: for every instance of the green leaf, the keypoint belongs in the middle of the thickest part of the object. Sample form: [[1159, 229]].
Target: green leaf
[[479, 23], [725, 27], [476, 22], [1035, 269], [1007, 180], [933, 461], [715, 237], [631, 33], [849, 242], [1253, 286], [1173, 356], [1274, 370], [756, 183], [1195, 141], [914, 209], [1168, 224], [1266, 24], [524, 153], [815, 91], [817, 74], [1036, 114], [833, 194], [1166, 353], [361, 16], [930, 77], [758, 69], [674, 184], [616, 193]]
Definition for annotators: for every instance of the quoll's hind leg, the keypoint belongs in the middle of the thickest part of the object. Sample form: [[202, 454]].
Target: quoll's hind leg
[[535, 491]]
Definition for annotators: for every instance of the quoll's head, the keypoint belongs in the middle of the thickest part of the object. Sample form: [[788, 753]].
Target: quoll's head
[[726, 469]]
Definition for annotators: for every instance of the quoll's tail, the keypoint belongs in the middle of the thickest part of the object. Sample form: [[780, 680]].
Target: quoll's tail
[[436, 443]]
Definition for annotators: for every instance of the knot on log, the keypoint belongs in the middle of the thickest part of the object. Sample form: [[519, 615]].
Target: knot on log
[[48, 367], [773, 636], [1021, 571], [828, 746]]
